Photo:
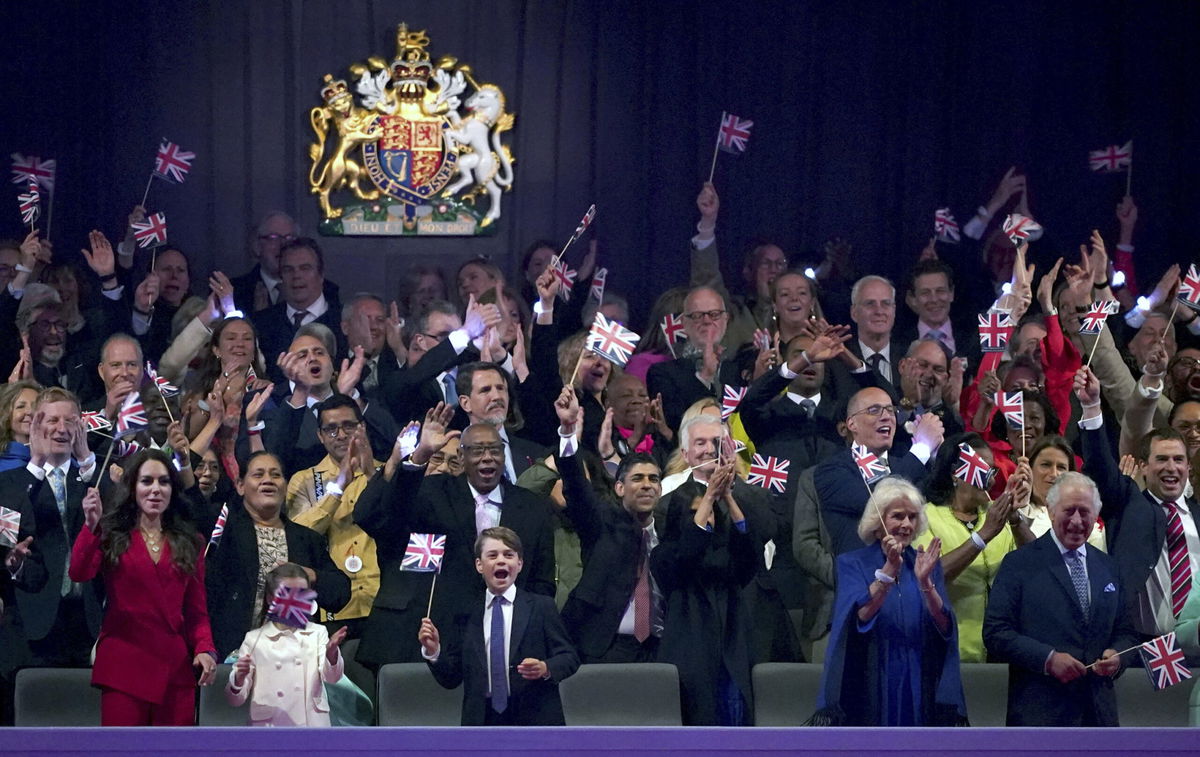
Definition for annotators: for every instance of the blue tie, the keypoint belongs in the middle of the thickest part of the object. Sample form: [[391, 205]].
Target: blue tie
[[1079, 579], [449, 390], [497, 662]]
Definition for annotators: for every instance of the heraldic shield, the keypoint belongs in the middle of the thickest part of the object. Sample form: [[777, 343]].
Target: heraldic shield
[[415, 163]]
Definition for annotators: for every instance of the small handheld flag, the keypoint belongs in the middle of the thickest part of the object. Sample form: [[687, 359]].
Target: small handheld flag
[[672, 328], [731, 398], [131, 418], [770, 473], [1093, 320], [424, 553], [1164, 661], [10, 526], [1189, 288], [1019, 227], [566, 279], [994, 329], [584, 223], [611, 341], [945, 228], [219, 529], [172, 163], [28, 203], [1012, 405], [598, 280], [94, 420], [292, 607], [33, 169], [869, 465], [973, 469], [166, 387], [733, 134], [151, 232], [1111, 158]]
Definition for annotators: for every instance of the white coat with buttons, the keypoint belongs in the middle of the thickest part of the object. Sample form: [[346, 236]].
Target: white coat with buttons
[[288, 671]]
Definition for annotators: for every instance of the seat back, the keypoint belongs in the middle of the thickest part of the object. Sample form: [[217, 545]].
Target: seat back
[[215, 711], [635, 694], [785, 693], [356, 671], [1139, 705], [985, 687], [56, 698], [410, 696]]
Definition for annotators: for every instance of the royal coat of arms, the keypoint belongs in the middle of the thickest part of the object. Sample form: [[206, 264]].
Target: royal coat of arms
[[418, 151]]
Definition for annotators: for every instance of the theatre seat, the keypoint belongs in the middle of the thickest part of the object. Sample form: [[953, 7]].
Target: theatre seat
[[785, 693], [985, 686], [1140, 706], [636, 694], [56, 698], [355, 671], [409, 696], [215, 711]]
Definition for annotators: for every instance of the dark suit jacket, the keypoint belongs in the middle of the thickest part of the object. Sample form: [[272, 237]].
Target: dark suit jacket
[[1135, 524], [275, 334], [843, 494], [291, 433], [676, 381], [232, 575], [38, 595], [1032, 610], [537, 632], [245, 285], [610, 538], [410, 391], [896, 351]]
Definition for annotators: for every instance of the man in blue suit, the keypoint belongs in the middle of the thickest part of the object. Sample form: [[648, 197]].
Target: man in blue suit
[[841, 493], [1057, 615]]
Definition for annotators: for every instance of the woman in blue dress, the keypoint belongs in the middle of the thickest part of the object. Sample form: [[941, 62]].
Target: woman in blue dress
[[892, 658]]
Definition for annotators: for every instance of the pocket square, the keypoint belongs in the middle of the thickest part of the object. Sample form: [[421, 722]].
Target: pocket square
[[1109, 588]]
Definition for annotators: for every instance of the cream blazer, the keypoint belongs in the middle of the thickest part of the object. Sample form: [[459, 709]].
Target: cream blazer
[[288, 672]]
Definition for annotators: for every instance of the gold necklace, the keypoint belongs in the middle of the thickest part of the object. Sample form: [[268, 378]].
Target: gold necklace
[[155, 543]]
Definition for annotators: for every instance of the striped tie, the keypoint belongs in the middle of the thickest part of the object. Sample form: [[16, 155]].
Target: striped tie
[[1177, 555]]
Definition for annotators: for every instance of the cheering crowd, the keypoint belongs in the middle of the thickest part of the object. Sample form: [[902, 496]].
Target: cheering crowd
[[820, 465]]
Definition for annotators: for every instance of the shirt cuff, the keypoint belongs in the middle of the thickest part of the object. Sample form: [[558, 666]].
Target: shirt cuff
[[433, 657], [141, 324], [507, 365], [1091, 424], [1135, 318], [740, 525], [975, 227], [787, 373], [459, 340], [567, 446], [87, 467], [922, 452], [1046, 664], [1148, 392], [16, 293], [114, 293], [702, 244]]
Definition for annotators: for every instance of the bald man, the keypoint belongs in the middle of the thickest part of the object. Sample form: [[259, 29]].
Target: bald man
[[841, 491]]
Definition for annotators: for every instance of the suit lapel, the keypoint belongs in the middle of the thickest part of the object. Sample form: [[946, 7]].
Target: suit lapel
[[1058, 567], [522, 609]]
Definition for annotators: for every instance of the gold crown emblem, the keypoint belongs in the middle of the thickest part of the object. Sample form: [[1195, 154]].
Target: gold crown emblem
[[334, 90], [412, 59]]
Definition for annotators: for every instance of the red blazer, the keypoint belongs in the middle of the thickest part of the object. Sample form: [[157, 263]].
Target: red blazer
[[155, 623]]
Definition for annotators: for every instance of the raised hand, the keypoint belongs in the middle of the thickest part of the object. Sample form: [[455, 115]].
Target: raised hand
[[1010, 185], [1087, 387], [829, 344], [222, 291], [893, 551], [929, 251], [434, 432], [708, 203], [952, 389], [520, 364], [927, 557], [101, 259], [568, 411], [1127, 216], [255, 405], [429, 638], [1045, 290], [147, 293], [292, 366], [241, 669], [473, 319], [1166, 289], [394, 334], [32, 254], [351, 372], [332, 648], [93, 508], [929, 431], [586, 266], [179, 443], [710, 362], [655, 414], [79, 445], [17, 555], [547, 288], [1156, 361], [1098, 260], [23, 370], [604, 445]]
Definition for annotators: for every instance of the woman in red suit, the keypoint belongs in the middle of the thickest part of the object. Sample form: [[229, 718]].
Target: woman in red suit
[[156, 626]]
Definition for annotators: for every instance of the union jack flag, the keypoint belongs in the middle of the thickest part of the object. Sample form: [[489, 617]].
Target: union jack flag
[[972, 468], [292, 607], [424, 553], [94, 420], [152, 231], [598, 280], [611, 341], [769, 472], [1019, 227], [1093, 320], [1111, 158], [993, 331], [1012, 404], [566, 279], [869, 465], [733, 134], [944, 226], [166, 388], [672, 328], [171, 163], [33, 169], [730, 399], [28, 203], [584, 223], [219, 529], [1164, 661], [10, 525], [125, 449], [1189, 288], [132, 416]]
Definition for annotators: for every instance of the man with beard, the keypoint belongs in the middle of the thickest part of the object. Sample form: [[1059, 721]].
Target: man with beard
[[930, 382], [1154, 534], [483, 394], [841, 491], [56, 362], [614, 613]]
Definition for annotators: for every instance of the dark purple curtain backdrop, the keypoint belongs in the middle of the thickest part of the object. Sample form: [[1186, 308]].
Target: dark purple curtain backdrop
[[868, 115]]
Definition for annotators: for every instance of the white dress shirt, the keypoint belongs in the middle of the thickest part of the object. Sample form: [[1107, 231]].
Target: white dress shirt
[[315, 311], [1154, 615], [495, 502], [885, 365]]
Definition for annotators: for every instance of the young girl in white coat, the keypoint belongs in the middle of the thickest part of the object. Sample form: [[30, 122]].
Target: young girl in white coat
[[283, 670]]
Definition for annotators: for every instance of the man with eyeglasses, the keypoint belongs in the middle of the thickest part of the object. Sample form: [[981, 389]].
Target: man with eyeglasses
[[841, 491], [700, 372], [401, 499], [873, 310], [323, 497], [262, 286], [55, 362]]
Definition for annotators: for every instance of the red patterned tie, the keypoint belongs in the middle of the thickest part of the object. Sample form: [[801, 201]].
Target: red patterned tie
[[641, 595], [1177, 554]]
